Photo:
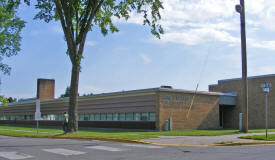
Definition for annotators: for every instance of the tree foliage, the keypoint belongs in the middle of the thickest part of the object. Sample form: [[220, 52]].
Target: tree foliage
[[88, 94], [10, 29], [67, 93], [10, 100], [78, 17], [3, 101]]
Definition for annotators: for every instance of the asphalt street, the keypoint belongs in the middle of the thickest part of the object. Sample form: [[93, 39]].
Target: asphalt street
[[13, 148]]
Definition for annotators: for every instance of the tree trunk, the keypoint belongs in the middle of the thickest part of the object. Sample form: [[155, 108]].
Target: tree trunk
[[73, 102]]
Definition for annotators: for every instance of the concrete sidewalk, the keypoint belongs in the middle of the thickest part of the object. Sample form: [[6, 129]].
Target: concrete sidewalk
[[203, 140]]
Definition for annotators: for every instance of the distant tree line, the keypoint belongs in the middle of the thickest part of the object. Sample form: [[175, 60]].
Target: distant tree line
[[67, 93], [5, 100]]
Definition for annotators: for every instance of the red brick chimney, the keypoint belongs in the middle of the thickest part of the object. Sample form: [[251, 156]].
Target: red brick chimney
[[45, 89]]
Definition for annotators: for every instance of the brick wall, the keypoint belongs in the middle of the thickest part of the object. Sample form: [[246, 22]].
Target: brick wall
[[45, 89], [204, 113], [256, 102]]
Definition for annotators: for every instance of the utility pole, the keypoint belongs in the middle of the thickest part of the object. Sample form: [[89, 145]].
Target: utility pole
[[241, 9]]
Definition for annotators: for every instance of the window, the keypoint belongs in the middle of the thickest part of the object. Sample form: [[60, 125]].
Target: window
[[122, 116], [97, 117], [60, 117], [103, 116], [19, 117], [152, 116], [12, 117], [2, 117], [86, 117], [129, 116], [144, 116], [48, 117], [52, 117], [115, 116], [109, 117], [30, 117], [43, 116], [137, 116], [81, 117], [92, 117]]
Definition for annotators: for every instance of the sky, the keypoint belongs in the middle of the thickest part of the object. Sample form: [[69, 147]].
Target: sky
[[201, 44]]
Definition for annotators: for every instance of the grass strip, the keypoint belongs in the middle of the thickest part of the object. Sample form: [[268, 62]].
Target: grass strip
[[56, 132], [270, 137]]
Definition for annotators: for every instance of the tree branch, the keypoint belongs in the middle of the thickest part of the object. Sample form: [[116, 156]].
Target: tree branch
[[87, 26], [77, 25], [68, 19], [64, 27], [83, 20]]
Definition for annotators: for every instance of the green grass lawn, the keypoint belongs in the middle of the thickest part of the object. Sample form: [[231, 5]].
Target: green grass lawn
[[270, 137], [30, 131]]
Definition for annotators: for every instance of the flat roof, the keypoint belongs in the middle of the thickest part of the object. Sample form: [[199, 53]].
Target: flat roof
[[119, 93], [236, 79], [190, 91], [250, 77]]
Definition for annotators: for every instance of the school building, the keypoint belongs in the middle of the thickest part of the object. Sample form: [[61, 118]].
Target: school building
[[151, 108]]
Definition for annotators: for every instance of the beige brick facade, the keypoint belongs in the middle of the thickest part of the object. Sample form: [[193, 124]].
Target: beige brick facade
[[204, 113], [256, 101], [45, 89]]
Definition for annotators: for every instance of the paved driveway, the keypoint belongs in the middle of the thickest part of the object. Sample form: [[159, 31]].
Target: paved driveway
[[12, 148]]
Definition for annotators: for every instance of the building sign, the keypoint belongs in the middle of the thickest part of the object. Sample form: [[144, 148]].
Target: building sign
[[37, 116], [174, 99]]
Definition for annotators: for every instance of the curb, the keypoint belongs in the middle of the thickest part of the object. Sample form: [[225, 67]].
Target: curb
[[84, 138], [247, 143], [152, 143], [221, 144]]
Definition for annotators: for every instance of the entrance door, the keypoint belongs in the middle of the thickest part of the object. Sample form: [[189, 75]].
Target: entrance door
[[221, 117]]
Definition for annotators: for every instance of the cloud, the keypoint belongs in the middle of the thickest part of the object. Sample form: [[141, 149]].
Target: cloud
[[91, 43], [57, 29], [269, 45], [145, 58], [91, 89], [195, 22], [184, 21], [35, 33], [198, 36], [264, 70]]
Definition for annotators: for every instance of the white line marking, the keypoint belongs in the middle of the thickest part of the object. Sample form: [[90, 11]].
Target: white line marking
[[63, 151], [14, 155], [106, 148], [142, 146]]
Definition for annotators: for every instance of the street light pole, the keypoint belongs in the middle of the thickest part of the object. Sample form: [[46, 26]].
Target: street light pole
[[266, 113], [241, 9], [266, 88]]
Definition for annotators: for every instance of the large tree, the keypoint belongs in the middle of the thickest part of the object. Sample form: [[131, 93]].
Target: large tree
[[78, 17], [10, 29]]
